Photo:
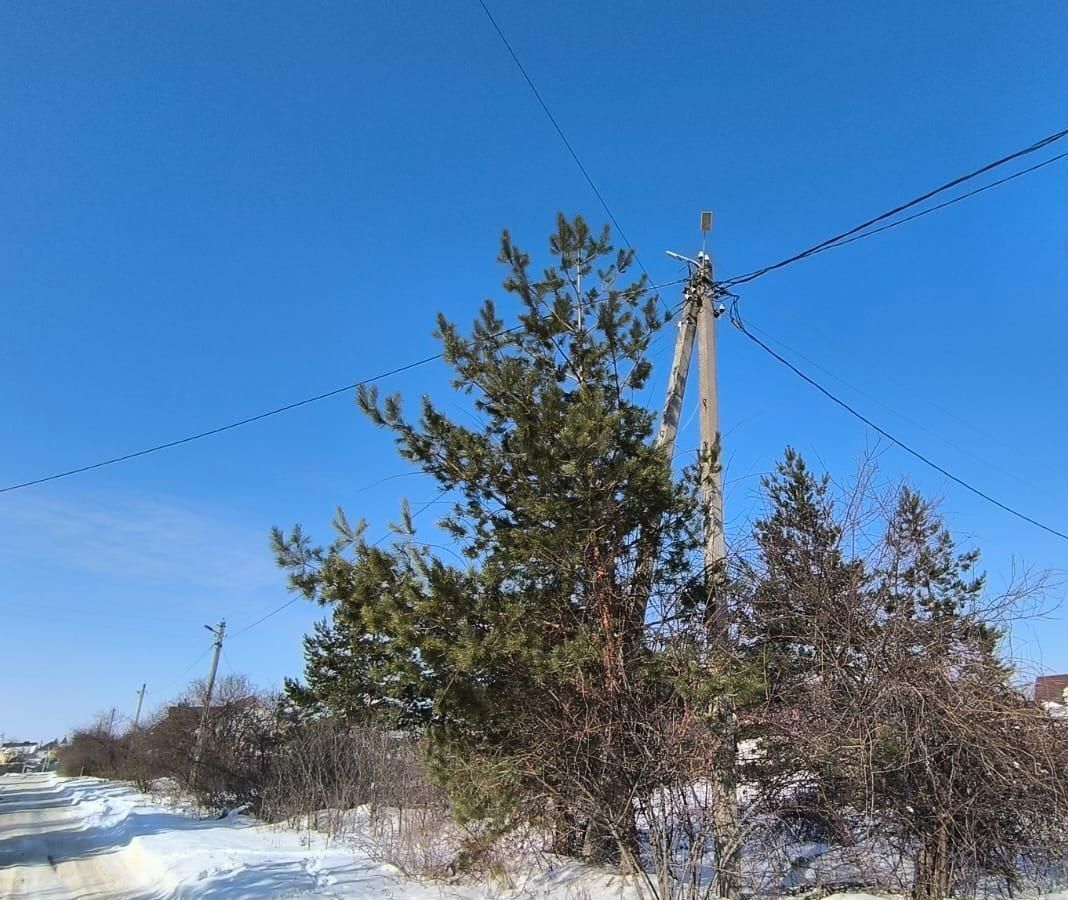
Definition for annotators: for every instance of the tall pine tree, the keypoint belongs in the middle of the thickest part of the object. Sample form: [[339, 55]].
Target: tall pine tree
[[542, 689]]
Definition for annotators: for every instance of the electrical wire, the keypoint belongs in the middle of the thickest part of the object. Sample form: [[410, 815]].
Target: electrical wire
[[915, 424], [838, 343], [855, 233], [559, 130], [736, 320], [939, 206], [261, 620], [175, 681], [278, 410], [223, 428]]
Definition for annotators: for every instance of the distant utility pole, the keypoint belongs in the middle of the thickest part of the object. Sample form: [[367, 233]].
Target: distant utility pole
[[219, 630], [140, 700]]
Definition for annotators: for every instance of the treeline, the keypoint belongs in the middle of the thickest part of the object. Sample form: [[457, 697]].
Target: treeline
[[253, 753]]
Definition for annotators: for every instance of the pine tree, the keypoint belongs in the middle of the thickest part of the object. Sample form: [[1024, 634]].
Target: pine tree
[[542, 688], [805, 593], [923, 575]]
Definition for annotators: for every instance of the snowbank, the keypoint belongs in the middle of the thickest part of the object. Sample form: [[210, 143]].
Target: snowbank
[[160, 853]]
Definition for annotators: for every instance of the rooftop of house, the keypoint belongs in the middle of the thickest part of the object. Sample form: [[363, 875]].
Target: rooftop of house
[[1051, 688]]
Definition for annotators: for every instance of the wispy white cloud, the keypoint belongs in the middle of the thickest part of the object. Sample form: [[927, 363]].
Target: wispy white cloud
[[155, 541]]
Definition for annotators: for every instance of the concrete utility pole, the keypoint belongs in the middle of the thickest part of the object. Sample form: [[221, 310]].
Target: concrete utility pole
[[700, 311], [680, 370], [140, 700], [708, 413], [219, 630], [699, 322]]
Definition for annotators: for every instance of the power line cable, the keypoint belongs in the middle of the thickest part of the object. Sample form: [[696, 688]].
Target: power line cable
[[559, 130], [223, 428], [175, 681], [852, 349], [836, 241], [840, 239], [965, 196], [736, 320], [278, 410], [964, 450], [262, 619]]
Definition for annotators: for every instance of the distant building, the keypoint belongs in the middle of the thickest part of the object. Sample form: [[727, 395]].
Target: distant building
[[21, 756], [13, 751], [1051, 689]]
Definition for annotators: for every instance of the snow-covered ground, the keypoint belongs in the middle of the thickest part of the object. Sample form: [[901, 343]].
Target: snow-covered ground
[[92, 839]]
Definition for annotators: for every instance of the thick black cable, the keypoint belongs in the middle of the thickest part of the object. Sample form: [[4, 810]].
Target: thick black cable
[[943, 205], [840, 239], [736, 320]]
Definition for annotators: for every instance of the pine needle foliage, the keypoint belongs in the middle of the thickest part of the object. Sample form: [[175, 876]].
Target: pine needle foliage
[[531, 662]]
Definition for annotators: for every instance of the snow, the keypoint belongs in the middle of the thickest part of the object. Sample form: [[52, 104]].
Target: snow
[[88, 838], [93, 839]]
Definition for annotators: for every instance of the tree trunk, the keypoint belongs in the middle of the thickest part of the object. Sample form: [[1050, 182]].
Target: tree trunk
[[726, 831], [934, 869]]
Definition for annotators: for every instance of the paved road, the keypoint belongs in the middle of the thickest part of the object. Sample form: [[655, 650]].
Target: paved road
[[48, 853]]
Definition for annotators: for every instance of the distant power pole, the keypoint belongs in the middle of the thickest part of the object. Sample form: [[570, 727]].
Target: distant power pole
[[219, 630], [140, 700]]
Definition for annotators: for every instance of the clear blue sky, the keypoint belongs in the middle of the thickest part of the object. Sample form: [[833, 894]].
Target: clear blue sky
[[209, 209]]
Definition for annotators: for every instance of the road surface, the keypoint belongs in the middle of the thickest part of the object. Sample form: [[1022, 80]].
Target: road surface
[[48, 852]]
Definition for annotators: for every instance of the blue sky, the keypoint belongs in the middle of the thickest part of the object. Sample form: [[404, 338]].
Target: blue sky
[[207, 210]]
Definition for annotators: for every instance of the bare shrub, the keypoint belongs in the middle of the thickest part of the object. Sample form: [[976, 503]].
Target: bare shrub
[[224, 758], [96, 750], [342, 779], [327, 767]]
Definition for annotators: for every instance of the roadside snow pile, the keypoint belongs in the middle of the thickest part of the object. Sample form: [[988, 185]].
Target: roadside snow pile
[[146, 848], [175, 855]]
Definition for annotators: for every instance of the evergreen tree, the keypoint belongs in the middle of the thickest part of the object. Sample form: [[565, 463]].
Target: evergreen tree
[[804, 596], [923, 576], [946, 716], [542, 688], [350, 671]]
